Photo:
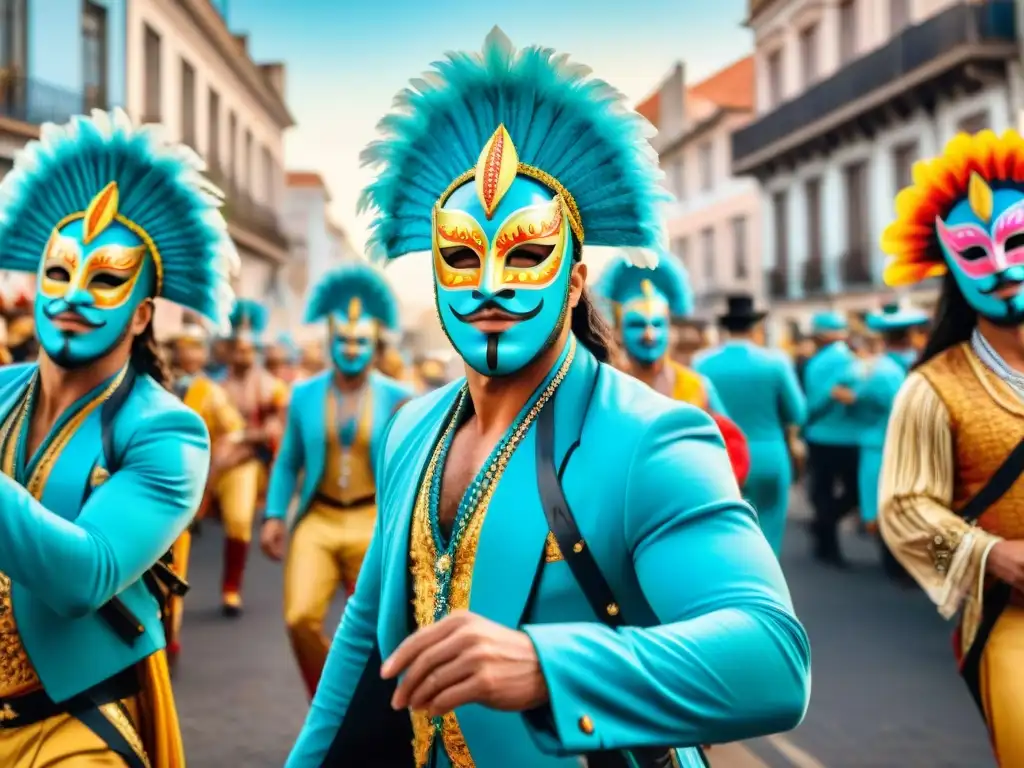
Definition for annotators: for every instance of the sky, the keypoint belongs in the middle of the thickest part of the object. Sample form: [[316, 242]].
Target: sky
[[346, 59]]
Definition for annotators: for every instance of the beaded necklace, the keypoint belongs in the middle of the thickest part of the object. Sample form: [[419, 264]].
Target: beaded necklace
[[478, 495], [996, 364]]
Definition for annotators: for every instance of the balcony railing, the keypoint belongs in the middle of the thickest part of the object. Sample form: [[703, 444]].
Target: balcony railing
[[814, 274], [36, 102], [777, 282], [242, 210], [855, 268], [962, 26]]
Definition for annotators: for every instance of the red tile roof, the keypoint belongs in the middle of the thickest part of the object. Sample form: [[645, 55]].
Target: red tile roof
[[728, 88]]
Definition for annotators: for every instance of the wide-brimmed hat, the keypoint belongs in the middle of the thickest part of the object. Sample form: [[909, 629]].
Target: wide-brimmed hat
[[740, 311], [893, 317]]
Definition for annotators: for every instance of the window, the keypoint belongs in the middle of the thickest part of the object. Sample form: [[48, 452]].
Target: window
[[188, 104], [213, 130], [232, 148], [739, 247], [13, 36], [974, 123], [707, 166], [903, 158], [267, 161], [676, 177], [774, 62], [94, 55], [707, 240], [847, 31], [780, 217], [814, 276], [247, 162], [899, 15], [681, 249], [809, 54], [154, 95], [857, 225]]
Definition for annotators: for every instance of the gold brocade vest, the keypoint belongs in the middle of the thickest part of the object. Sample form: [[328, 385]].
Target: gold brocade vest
[[689, 386], [987, 422], [210, 401], [361, 483]]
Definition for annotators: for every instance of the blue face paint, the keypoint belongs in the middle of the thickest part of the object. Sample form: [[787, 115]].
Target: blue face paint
[[982, 240], [353, 343], [644, 319], [515, 264], [87, 294]]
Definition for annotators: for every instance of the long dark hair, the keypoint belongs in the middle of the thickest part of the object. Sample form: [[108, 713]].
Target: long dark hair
[[592, 330], [147, 358], [954, 322]]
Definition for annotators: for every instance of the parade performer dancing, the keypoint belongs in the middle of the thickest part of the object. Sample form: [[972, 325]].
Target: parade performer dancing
[[262, 399], [335, 427], [760, 389], [951, 493], [502, 164], [644, 301], [102, 467], [228, 452]]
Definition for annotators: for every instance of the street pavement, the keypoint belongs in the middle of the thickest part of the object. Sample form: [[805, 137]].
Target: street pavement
[[885, 690]]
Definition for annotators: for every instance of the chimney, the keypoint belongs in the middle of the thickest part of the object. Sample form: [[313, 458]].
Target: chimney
[[273, 73], [672, 117], [242, 41]]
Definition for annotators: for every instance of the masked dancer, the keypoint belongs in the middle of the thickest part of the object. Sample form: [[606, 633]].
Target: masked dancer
[[103, 468], [644, 302], [488, 563], [760, 389], [262, 398], [951, 492], [335, 426]]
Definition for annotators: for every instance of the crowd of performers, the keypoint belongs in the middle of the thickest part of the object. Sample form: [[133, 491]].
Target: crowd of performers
[[499, 536]]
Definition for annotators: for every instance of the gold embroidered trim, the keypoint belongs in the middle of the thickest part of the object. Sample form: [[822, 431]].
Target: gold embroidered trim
[[423, 556], [552, 552], [942, 547], [117, 717]]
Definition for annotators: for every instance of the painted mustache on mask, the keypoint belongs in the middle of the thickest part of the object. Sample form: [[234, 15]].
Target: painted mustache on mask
[[1001, 284], [71, 315], [491, 310]]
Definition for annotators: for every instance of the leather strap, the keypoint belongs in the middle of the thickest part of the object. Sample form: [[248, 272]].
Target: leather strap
[[998, 485], [585, 569]]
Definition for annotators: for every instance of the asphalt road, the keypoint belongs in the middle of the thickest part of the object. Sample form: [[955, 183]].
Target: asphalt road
[[885, 691]]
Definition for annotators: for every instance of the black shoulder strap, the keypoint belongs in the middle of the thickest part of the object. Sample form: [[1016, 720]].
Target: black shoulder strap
[[584, 566], [997, 486], [107, 415]]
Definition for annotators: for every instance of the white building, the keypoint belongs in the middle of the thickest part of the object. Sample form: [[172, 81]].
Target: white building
[[186, 70], [849, 95]]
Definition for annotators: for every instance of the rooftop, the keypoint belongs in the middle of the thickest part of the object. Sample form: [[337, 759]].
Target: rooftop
[[729, 88]]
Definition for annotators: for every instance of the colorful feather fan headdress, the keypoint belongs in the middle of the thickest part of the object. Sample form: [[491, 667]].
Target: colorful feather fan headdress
[[362, 282], [571, 132], [623, 280], [939, 184], [249, 316], [157, 189]]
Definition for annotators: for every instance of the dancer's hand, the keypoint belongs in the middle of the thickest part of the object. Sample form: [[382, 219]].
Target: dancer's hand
[[844, 395], [1006, 562], [272, 538], [466, 659]]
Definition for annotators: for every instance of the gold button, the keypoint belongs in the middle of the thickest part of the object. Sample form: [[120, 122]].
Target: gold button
[[577, 547], [586, 725], [613, 609]]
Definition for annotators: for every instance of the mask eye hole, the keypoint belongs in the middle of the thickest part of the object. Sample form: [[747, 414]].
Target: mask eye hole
[[974, 253], [58, 274], [107, 280], [528, 255], [1013, 242], [460, 257]]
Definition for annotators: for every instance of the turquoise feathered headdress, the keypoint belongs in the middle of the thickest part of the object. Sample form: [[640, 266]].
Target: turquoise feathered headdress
[[160, 189], [249, 315], [572, 132], [623, 280], [362, 281]]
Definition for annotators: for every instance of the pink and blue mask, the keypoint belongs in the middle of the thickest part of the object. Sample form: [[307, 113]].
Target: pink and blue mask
[[982, 239]]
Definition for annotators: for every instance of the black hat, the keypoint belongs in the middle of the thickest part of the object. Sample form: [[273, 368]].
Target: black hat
[[740, 312]]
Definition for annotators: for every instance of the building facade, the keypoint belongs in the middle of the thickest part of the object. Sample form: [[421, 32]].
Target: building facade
[[849, 95], [714, 220]]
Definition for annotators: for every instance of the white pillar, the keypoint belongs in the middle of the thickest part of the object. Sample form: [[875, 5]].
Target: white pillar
[[797, 219], [881, 194], [833, 224]]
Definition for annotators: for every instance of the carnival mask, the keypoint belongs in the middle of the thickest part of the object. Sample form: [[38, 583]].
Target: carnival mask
[[353, 340], [644, 319], [94, 275], [502, 255], [982, 240]]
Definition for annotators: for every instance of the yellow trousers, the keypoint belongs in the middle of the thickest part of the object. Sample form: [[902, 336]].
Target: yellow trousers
[[1002, 688], [326, 551], [237, 493], [181, 550]]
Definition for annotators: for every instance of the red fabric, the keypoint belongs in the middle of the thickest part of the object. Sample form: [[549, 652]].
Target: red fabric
[[736, 446], [235, 554]]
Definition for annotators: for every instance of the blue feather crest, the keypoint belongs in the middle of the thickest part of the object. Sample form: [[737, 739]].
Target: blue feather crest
[[161, 187], [359, 280], [249, 315], [621, 281], [568, 124]]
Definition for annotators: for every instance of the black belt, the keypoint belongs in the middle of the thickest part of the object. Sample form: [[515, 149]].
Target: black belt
[[327, 501], [36, 706]]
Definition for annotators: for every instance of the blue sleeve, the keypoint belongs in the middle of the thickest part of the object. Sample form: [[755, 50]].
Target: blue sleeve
[[878, 392], [792, 401], [288, 463], [728, 661], [160, 483], [351, 650], [715, 404]]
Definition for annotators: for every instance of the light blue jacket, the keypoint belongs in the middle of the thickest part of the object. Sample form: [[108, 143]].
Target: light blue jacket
[[829, 422], [66, 560], [758, 387], [303, 448], [875, 396], [713, 653]]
